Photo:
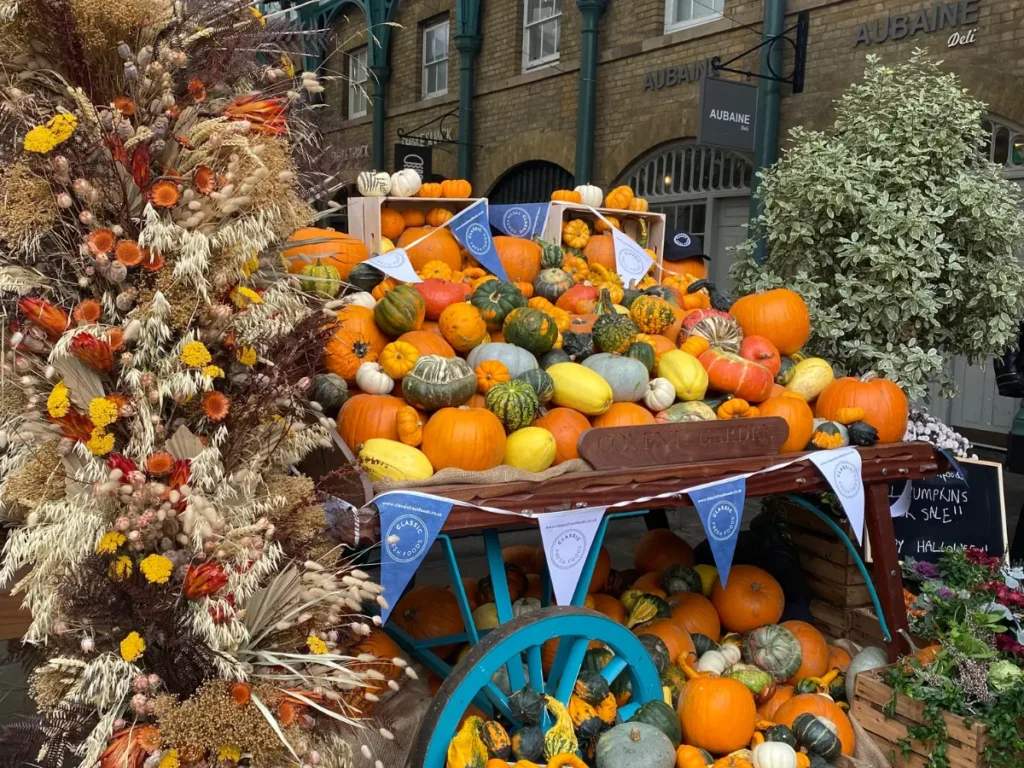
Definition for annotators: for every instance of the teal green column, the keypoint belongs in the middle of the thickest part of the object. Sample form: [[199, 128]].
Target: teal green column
[[380, 76], [769, 99], [591, 11], [467, 43]]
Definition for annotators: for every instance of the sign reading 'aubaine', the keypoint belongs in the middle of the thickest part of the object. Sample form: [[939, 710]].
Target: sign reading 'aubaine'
[[684, 73], [938, 17]]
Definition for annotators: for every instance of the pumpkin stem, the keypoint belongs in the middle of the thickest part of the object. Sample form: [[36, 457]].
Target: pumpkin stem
[[826, 680], [763, 725], [634, 735], [756, 739], [690, 672], [910, 641], [869, 376]]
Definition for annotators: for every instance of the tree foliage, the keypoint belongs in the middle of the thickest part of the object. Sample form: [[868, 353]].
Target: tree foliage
[[902, 238]]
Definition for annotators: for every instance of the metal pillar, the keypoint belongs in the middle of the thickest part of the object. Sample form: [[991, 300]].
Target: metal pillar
[[467, 43], [380, 76], [586, 116]]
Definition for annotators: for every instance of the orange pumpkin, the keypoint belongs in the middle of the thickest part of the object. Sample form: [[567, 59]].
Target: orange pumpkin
[[676, 639], [550, 648], [610, 607], [534, 586], [624, 415], [797, 414], [602, 568], [695, 614], [467, 438], [566, 425], [345, 351], [660, 343], [338, 250], [378, 643], [520, 555], [728, 372], [363, 417], [489, 374], [620, 198], [752, 598], [429, 189], [638, 204], [600, 250], [648, 582], [392, 224], [428, 612], [607, 224], [690, 757], [462, 326], [767, 710], [660, 548], [927, 654], [440, 246], [428, 343], [838, 658], [438, 216], [519, 257], [476, 400], [885, 405], [695, 266], [717, 714], [812, 646], [413, 217], [820, 706], [566, 196], [779, 315], [456, 188]]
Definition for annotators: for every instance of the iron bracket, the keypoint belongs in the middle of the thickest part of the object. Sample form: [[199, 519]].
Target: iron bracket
[[796, 79]]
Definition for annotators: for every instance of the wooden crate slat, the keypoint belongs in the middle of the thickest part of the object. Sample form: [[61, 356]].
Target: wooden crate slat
[[817, 545], [891, 731], [848, 575], [829, 616], [842, 595]]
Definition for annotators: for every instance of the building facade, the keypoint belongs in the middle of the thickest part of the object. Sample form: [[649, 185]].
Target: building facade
[[497, 91]]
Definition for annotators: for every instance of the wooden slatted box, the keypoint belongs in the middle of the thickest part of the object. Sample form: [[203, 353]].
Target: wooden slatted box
[[832, 572], [558, 213], [364, 213]]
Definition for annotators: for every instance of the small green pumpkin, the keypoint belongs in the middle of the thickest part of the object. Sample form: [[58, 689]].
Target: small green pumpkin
[[401, 310], [495, 299], [862, 433], [755, 678], [828, 434], [661, 716], [702, 643], [552, 283], [774, 649], [837, 688], [817, 735], [658, 652], [787, 369], [681, 578], [528, 744], [330, 390], [526, 706], [551, 255], [579, 346], [674, 679], [530, 329], [805, 685], [438, 382], [321, 279], [365, 277], [644, 352], [554, 357], [780, 733], [629, 296], [541, 382], [591, 687], [613, 333], [514, 402]]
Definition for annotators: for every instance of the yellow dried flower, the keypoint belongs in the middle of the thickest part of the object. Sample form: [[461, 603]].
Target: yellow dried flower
[[132, 647], [251, 265], [195, 354], [102, 412], [243, 297], [316, 645], [43, 138], [213, 372], [121, 568], [287, 66], [62, 126], [100, 443], [246, 355], [110, 542], [259, 16], [169, 759], [157, 569], [58, 404], [229, 752]]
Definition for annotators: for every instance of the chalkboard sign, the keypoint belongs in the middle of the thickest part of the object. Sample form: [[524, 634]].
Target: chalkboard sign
[[945, 512]]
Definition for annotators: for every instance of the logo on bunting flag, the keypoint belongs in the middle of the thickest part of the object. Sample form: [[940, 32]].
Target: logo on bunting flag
[[720, 508], [568, 538], [396, 264], [409, 523], [631, 261], [471, 227], [524, 220], [841, 467]]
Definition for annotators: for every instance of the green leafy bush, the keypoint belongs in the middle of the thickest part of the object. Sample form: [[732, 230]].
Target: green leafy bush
[[900, 236]]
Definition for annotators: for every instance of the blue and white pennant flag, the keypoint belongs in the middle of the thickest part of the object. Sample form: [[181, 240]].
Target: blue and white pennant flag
[[473, 230], [520, 220]]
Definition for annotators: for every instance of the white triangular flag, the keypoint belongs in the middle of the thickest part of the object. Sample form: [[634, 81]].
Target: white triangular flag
[[631, 261], [841, 468], [568, 537], [395, 264]]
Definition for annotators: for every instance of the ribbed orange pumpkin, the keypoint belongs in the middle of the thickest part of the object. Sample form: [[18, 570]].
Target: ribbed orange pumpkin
[[717, 714], [413, 217], [812, 646], [360, 320], [660, 343], [676, 639], [648, 582], [610, 607], [438, 216], [566, 425], [363, 417], [462, 326], [884, 404], [428, 343], [660, 548], [751, 598], [600, 250], [695, 266], [779, 315], [695, 614], [391, 223], [782, 694], [519, 257], [467, 438], [440, 246], [624, 415], [820, 706], [428, 612], [838, 658], [380, 644], [338, 250], [798, 416]]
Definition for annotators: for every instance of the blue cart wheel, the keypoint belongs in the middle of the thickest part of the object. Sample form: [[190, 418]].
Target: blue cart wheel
[[520, 641]]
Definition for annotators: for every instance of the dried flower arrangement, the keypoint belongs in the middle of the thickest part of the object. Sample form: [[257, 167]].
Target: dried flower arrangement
[[153, 396]]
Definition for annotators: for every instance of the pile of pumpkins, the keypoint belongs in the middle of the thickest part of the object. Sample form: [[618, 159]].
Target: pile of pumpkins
[[465, 370], [741, 690]]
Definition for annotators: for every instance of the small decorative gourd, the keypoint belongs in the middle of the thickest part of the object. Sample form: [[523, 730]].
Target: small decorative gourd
[[321, 279], [398, 358], [409, 423], [817, 735], [359, 299], [551, 254], [371, 379], [651, 314], [565, 196], [590, 195], [514, 402], [373, 183], [495, 739], [330, 390], [438, 382], [405, 183], [467, 749], [620, 198], [712, 662], [774, 754], [576, 233], [660, 394], [560, 738]]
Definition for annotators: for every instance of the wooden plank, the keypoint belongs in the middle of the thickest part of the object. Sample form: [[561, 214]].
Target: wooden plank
[[13, 620], [891, 731], [654, 444], [847, 575], [887, 575], [829, 614], [816, 545], [842, 595]]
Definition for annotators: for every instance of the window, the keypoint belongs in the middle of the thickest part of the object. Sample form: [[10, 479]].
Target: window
[[357, 82], [542, 32], [680, 14], [435, 60]]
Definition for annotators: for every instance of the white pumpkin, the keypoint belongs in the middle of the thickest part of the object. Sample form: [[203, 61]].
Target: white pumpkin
[[660, 394], [372, 380], [374, 183], [713, 662], [525, 605], [591, 195], [405, 183], [359, 299], [731, 653], [774, 754]]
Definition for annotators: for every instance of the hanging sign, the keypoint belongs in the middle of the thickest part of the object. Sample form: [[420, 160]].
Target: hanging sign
[[524, 220], [568, 537], [841, 468], [409, 523], [728, 111], [720, 507], [396, 264], [472, 229], [416, 158]]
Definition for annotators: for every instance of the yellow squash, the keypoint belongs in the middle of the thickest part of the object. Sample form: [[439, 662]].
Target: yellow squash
[[810, 377], [581, 389], [389, 459], [685, 373], [530, 448]]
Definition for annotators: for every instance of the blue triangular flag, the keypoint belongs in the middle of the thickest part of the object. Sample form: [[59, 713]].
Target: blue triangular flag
[[520, 220], [409, 523], [472, 229], [953, 463], [720, 507]]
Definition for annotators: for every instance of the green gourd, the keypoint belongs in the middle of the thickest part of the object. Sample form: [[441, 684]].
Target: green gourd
[[862, 433], [658, 652], [321, 279], [644, 352], [495, 299], [551, 255], [365, 277], [438, 382], [774, 649], [702, 643], [526, 706], [528, 744], [554, 357], [661, 716], [541, 382], [681, 578], [530, 329], [579, 346], [401, 310], [330, 390], [780, 733], [817, 735], [612, 332], [552, 283], [514, 402], [648, 608], [627, 377]]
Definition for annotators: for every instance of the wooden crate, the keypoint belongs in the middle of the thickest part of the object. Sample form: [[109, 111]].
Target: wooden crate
[[560, 212], [14, 620], [831, 569], [364, 213], [966, 745], [833, 622]]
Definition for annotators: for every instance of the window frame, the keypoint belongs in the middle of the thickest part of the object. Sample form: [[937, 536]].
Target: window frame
[[424, 93], [672, 26], [357, 88], [543, 61]]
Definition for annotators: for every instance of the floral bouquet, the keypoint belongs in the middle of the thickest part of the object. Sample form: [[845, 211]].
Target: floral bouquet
[[187, 608]]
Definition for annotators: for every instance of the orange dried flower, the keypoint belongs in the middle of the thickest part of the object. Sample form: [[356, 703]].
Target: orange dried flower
[[264, 115], [125, 105], [152, 261], [164, 194], [101, 241], [159, 463], [88, 311], [205, 179], [197, 89], [74, 425], [241, 693], [94, 352], [180, 473], [286, 713], [118, 399], [128, 253], [51, 319], [129, 748], [115, 338], [216, 405]]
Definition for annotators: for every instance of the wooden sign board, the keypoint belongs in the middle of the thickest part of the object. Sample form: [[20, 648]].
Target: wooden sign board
[[678, 443]]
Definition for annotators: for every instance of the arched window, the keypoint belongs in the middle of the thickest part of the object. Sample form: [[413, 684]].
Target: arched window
[[530, 182], [1004, 145]]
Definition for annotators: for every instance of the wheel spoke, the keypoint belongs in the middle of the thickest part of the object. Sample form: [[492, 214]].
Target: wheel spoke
[[533, 662], [571, 668], [627, 710], [613, 669]]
